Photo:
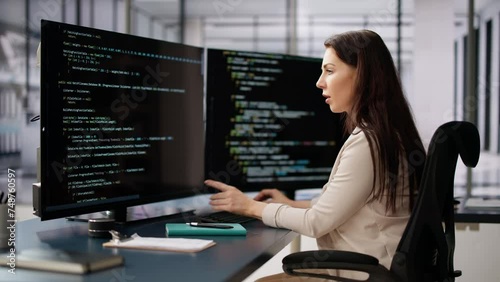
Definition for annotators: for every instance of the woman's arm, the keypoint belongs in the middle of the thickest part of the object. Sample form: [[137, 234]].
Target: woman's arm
[[301, 204], [347, 192], [231, 199], [276, 196]]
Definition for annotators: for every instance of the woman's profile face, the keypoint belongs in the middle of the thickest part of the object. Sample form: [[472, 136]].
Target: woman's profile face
[[337, 82]]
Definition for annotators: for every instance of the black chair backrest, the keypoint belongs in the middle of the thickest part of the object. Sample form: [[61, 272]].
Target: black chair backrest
[[425, 252]]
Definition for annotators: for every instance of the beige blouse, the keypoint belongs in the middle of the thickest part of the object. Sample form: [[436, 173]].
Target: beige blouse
[[344, 216]]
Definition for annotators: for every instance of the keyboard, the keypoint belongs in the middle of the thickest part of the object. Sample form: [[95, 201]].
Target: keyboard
[[224, 217]]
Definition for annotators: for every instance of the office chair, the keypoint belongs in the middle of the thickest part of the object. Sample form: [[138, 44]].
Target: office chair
[[425, 251]]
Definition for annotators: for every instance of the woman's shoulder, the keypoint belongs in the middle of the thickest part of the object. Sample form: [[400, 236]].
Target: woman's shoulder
[[357, 136], [356, 142]]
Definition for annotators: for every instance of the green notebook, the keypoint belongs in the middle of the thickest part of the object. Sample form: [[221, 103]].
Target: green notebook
[[183, 229]]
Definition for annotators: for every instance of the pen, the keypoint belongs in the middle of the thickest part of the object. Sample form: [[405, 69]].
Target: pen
[[210, 225]]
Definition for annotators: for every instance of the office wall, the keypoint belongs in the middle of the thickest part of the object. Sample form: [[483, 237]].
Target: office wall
[[477, 252], [432, 100], [193, 32]]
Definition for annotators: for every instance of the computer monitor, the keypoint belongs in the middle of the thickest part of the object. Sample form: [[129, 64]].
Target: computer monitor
[[267, 124], [121, 121]]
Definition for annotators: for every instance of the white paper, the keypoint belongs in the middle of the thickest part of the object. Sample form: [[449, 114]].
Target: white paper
[[172, 244]]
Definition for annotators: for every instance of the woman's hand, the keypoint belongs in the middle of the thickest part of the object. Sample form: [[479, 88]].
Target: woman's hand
[[276, 196], [273, 196], [233, 200]]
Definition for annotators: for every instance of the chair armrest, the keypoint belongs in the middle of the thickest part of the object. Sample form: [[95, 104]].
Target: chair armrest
[[335, 260]]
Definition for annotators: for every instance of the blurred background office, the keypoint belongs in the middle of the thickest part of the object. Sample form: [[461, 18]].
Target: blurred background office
[[447, 53]]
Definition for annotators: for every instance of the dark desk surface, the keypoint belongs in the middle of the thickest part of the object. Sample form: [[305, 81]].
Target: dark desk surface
[[476, 215], [232, 259]]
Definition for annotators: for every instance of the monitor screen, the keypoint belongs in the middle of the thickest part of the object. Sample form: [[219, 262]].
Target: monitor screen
[[121, 120], [268, 126]]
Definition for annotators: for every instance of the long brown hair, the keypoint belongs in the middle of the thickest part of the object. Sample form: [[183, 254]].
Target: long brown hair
[[381, 111]]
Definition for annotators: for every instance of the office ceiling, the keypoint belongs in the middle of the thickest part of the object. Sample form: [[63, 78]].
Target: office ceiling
[[234, 8], [168, 9]]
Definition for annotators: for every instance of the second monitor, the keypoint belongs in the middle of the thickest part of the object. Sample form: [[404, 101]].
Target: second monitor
[[267, 124]]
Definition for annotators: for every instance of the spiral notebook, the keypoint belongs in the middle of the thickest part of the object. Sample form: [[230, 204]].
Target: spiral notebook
[[161, 244]]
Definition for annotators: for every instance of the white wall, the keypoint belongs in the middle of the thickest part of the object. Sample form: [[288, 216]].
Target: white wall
[[193, 32], [432, 99], [477, 252]]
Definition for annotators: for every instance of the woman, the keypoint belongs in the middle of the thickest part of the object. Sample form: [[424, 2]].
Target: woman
[[366, 203]]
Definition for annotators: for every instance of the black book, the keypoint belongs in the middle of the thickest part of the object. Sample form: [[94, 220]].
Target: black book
[[63, 260]]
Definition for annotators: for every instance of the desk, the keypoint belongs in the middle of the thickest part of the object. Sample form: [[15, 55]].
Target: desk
[[476, 214], [467, 215], [232, 259]]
